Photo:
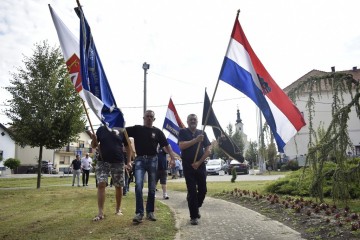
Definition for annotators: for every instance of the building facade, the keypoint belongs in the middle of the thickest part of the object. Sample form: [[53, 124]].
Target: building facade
[[297, 147]]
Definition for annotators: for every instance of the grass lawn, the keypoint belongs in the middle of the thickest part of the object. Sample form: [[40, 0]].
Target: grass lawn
[[65, 212], [59, 211]]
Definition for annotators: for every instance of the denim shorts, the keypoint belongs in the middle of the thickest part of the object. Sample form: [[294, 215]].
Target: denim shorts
[[105, 169]]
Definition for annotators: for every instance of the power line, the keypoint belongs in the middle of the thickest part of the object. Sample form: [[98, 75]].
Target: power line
[[184, 104]]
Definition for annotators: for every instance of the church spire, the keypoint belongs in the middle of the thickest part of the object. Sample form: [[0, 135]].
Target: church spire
[[238, 119]]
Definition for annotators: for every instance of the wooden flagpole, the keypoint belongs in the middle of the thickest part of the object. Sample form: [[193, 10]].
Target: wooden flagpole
[[211, 103]]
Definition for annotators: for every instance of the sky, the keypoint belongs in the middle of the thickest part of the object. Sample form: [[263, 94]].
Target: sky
[[185, 43]]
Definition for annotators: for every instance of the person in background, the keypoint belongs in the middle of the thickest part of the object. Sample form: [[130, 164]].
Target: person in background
[[162, 171], [86, 166], [128, 176], [111, 162], [76, 169], [177, 168], [194, 169], [180, 169], [146, 139]]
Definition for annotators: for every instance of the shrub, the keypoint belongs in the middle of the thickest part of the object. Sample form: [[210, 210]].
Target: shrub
[[292, 165], [234, 174], [283, 168], [12, 163], [298, 182]]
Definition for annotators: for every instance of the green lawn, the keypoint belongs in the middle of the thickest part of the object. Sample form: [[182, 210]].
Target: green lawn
[[59, 211]]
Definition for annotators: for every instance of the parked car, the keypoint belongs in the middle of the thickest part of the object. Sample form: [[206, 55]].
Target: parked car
[[45, 168], [241, 168], [214, 166], [65, 170]]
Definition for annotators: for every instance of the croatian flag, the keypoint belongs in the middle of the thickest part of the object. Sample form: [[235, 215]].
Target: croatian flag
[[97, 95], [172, 124], [243, 70]]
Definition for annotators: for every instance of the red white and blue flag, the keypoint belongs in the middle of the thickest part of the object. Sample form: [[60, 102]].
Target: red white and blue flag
[[93, 88], [243, 70], [172, 124]]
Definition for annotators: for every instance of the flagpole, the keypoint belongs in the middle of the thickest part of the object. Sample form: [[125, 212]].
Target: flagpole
[[87, 115], [211, 103]]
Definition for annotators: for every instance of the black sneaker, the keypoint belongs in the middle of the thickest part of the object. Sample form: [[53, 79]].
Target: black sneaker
[[138, 218], [194, 221], [151, 216]]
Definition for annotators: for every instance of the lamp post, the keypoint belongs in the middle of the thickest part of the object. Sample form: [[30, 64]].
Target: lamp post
[[145, 66]]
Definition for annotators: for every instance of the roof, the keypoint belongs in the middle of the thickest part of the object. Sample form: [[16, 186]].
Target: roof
[[316, 73], [5, 128]]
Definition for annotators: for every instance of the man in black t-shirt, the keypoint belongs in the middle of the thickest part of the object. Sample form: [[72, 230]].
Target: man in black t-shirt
[[76, 166], [194, 171], [147, 138], [111, 162]]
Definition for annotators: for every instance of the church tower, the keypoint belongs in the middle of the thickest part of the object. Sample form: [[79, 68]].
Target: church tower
[[239, 125]]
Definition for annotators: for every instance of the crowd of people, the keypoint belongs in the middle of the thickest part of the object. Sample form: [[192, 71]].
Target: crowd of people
[[123, 162]]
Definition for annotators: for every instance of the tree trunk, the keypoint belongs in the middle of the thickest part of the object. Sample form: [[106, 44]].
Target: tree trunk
[[39, 167]]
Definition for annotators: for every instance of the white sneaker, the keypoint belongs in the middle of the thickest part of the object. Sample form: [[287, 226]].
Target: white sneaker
[[166, 196]]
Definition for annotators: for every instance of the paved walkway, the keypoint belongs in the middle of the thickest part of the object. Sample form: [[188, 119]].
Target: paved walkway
[[225, 220]]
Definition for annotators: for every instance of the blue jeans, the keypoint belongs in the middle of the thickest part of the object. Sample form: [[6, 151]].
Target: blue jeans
[[142, 165]]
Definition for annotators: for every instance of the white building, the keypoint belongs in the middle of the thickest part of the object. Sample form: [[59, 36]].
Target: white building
[[28, 156], [7, 146], [297, 147]]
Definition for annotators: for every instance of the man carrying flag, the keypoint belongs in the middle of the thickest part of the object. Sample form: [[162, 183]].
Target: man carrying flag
[[194, 144], [243, 70], [90, 82]]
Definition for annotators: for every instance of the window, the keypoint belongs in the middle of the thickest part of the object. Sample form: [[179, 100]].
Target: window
[[81, 144], [357, 150], [64, 160]]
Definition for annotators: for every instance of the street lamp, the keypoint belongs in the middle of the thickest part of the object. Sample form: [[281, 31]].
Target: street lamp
[[145, 67]]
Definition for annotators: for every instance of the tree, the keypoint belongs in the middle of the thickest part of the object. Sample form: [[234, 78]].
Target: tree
[[12, 163], [230, 130], [270, 149], [238, 140], [251, 153], [333, 142], [45, 110]]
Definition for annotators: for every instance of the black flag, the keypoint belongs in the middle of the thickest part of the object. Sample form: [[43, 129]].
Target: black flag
[[224, 141]]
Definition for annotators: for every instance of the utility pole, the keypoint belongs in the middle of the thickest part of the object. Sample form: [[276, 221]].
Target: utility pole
[[145, 67]]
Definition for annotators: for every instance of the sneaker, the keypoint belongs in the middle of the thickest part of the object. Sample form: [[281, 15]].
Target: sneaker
[[151, 216], [138, 218], [194, 221], [198, 215], [166, 196]]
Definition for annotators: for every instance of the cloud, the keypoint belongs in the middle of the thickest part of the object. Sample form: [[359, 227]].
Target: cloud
[[185, 42]]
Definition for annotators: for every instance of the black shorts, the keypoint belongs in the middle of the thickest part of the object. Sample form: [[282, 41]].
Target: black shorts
[[162, 176]]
